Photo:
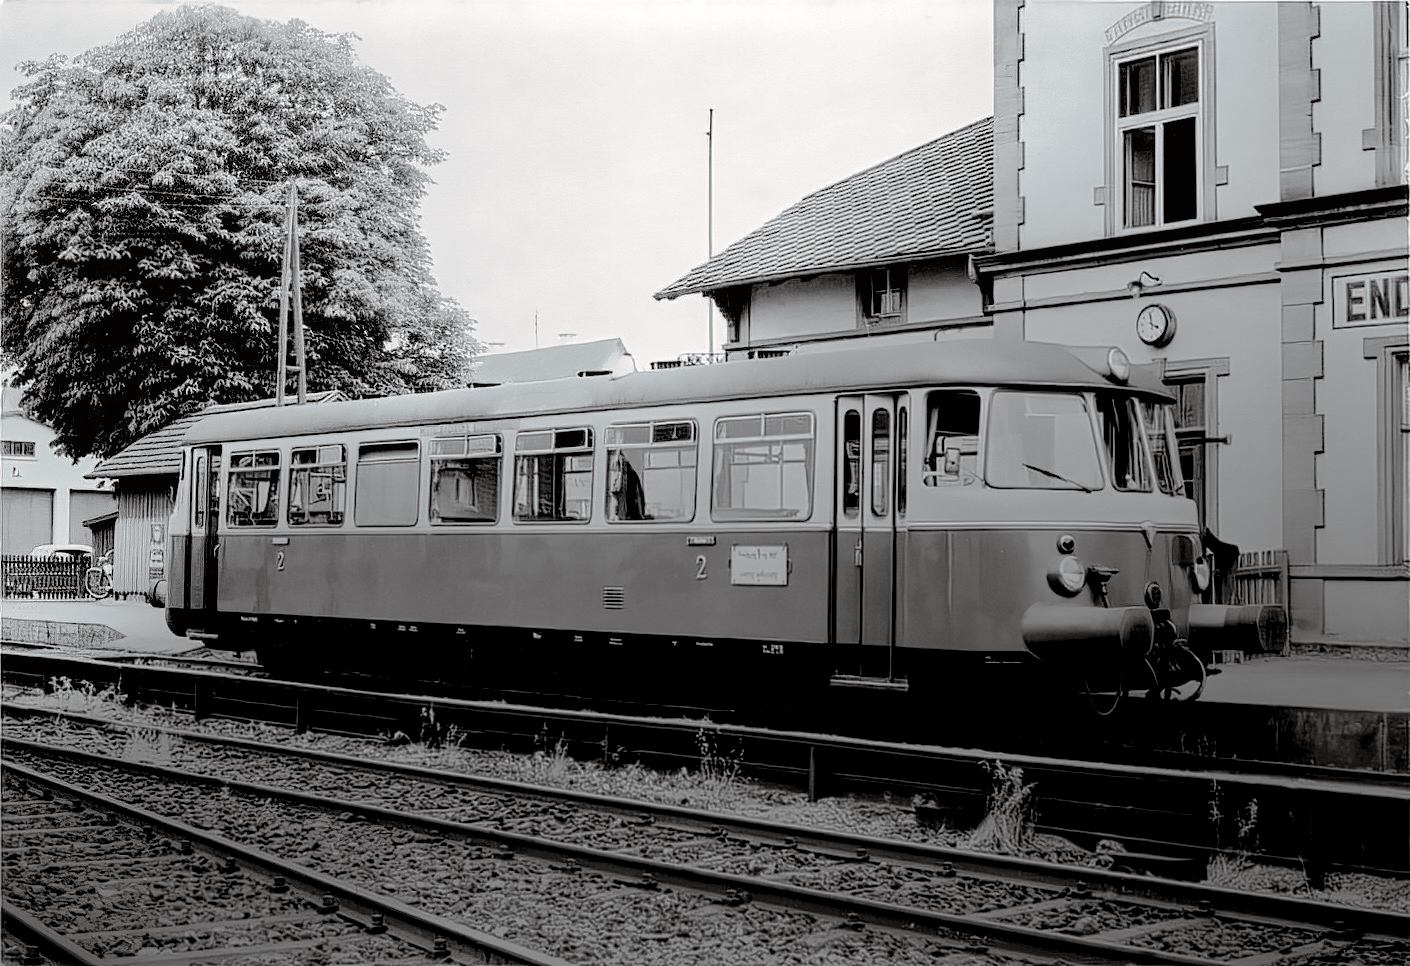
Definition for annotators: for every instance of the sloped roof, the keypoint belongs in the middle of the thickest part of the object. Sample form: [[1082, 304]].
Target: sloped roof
[[925, 203], [160, 452], [550, 362]]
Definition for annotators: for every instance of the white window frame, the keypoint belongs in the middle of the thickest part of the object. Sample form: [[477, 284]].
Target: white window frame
[[1202, 111]]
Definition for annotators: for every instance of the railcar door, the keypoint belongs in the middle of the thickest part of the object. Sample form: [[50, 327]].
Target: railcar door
[[203, 561], [864, 581]]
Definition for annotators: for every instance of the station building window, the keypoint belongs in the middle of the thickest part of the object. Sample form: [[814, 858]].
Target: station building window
[[465, 474], [318, 485], [386, 491], [1160, 137], [763, 467], [253, 489], [19, 447], [553, 476], [651, 471], [881, 294]]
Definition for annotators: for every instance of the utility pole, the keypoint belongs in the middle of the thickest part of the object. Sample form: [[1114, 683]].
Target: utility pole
[[710, 218], [290, 278]]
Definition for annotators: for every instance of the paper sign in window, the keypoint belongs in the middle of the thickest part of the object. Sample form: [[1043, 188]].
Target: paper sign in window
[[756, 566]]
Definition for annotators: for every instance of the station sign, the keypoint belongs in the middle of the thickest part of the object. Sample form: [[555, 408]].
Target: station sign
[[1374, 298]]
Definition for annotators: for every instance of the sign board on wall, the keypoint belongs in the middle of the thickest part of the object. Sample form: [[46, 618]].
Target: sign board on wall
[[1375, 298], [759, 566]]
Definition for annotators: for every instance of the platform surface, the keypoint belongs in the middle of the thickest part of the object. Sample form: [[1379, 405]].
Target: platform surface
[[135, 624], [1342, 683]]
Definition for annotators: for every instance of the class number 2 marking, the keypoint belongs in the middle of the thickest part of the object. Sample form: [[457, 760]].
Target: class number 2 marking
[[279, 560], [700, 573]]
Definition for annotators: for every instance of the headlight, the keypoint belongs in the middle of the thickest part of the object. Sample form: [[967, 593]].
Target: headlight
[[1118, 366], [1201, 574], [1070, 578]]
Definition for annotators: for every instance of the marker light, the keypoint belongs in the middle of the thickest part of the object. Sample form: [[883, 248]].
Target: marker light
[[1118, 366], [1071, 576], [1201, 574]]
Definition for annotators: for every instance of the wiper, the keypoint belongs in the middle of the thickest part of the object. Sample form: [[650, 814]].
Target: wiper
[[1057, 476]]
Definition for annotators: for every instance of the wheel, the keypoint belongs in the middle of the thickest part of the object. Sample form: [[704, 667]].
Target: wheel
[[98, 582]]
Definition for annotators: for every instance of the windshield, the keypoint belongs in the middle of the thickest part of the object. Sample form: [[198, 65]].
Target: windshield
[[1041, 440], [1159, 420], [1125, 441]]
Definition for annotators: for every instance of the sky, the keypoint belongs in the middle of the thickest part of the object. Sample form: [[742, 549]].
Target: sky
[[578, 177]]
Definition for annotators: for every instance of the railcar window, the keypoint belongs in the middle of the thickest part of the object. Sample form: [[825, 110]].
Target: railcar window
[[902, 463], [465, 479], [651, 471], [951, 438], [880, 463], [1125, 441], [553, 475], [254, 489], [763, 467], [852, 464], [1159, 420], [1041, 441], [386, 491], [318, 485]]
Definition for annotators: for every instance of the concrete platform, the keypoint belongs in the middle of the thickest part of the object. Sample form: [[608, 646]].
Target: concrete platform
[[1341, 683], [127, 625]]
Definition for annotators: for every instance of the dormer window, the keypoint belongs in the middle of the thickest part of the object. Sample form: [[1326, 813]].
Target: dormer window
[[881, 295]]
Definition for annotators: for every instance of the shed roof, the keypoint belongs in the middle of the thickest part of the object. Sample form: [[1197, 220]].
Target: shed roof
[[929, 202], [550, 362], [160, 452]]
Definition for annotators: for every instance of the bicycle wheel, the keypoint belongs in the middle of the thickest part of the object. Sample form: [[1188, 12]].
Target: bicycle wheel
[[98, 583]]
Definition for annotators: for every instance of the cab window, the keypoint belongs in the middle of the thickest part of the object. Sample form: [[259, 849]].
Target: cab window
[[651, 471], [1124, 440], [1041, 441], [952, 438], [553, 476], [318, 485], [253, 489], [465, 479], [1159, 421], [763, 467]]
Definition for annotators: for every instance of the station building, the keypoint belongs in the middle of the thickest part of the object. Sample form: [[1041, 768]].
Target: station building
[[1219, 189]]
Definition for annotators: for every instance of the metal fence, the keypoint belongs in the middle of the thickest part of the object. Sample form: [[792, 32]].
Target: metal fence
[[50, 578]]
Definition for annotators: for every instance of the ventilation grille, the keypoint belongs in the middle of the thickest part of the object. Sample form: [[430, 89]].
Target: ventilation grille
[[614, 598]]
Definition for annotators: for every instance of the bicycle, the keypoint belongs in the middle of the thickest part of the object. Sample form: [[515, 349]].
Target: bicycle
[[98, 580]]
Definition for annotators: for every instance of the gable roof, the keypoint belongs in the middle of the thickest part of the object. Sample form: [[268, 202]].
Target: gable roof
[[925, 203], [160, 452], [550, 362]]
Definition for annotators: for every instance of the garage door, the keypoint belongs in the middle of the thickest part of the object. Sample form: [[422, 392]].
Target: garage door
[[85, 505], [26, 519]]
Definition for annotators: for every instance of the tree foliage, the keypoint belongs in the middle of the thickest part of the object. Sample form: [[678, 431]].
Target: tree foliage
[[144, 195]]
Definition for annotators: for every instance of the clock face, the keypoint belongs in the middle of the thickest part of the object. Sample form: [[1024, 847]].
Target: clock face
[[1155, 325]]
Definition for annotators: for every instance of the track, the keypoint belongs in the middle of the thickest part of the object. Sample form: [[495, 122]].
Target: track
[[1324, 820], [1001, 904], [90, 879]]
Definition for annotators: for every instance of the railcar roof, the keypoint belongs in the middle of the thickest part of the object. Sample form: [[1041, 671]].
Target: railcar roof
[[855, 368]]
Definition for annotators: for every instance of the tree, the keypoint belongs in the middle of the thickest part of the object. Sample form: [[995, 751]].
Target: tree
[[144, 193]]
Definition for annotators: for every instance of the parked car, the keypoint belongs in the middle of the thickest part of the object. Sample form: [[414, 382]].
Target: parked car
[[74, 551]]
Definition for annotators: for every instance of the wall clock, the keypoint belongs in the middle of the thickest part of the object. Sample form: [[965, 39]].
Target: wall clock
[[1155, 326]]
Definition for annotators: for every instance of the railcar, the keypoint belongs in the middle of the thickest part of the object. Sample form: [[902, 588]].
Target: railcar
[[880, 516]]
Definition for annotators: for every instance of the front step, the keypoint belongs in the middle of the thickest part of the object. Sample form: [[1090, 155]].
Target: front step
[[870, 684]]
